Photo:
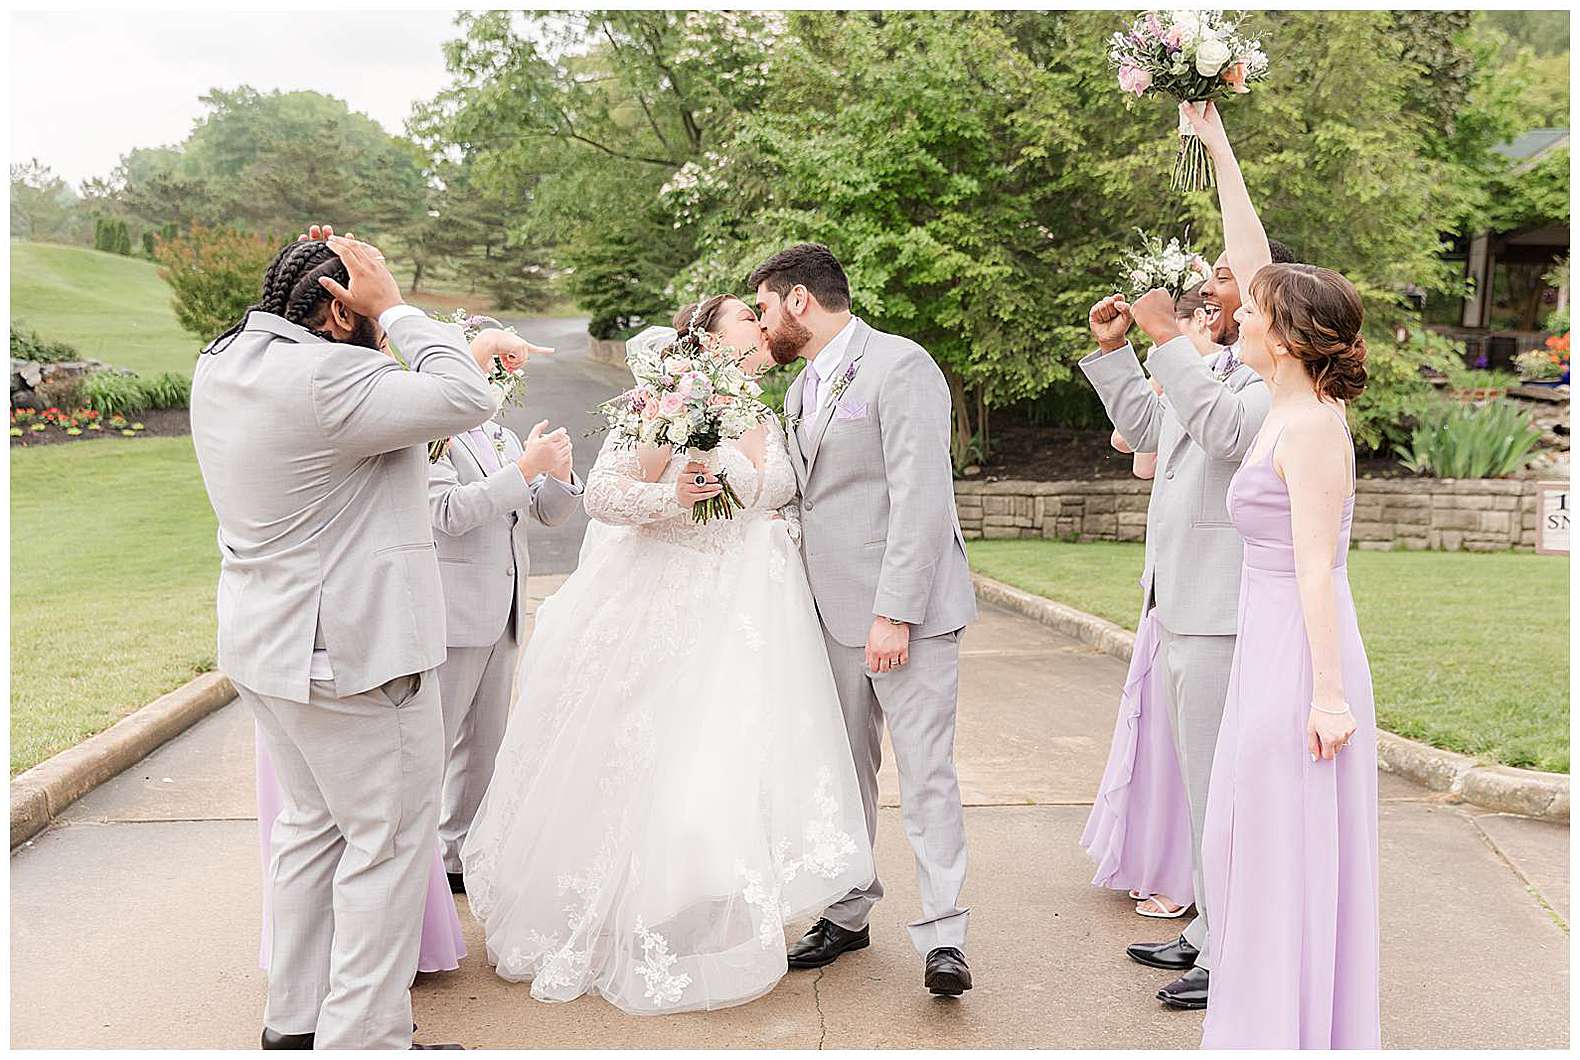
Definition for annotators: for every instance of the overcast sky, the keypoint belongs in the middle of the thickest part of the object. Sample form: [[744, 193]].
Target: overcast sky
[[86, 87]]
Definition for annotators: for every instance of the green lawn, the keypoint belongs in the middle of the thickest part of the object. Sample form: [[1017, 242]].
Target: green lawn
[[1469, 651], [113, 569], [110, 307]]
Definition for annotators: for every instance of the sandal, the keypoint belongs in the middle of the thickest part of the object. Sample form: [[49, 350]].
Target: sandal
[[1138, 896], [1153, 906]]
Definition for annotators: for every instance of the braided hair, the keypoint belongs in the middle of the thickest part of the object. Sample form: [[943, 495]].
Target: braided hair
[[291, 289]]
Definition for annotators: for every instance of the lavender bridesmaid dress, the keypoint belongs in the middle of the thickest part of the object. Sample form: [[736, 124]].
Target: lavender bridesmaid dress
[[1138, 832], [1289, 849], [442, 946]]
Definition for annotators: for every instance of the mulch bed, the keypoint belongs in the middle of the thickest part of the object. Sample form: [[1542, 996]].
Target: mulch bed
[[1054, 454], [157, 423]]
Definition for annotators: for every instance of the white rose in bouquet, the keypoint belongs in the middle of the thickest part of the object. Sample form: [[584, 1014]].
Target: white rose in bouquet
[[1211, 55]]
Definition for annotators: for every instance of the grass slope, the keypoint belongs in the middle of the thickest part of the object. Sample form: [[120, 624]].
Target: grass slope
[[113, 572], [112, 308], [1469, 651]]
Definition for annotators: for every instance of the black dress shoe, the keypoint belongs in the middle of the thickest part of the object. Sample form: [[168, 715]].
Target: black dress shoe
[[457, 882], [1175, 955], [276, 1040], [447, 1045], [1188, 991], [824, 942], [947, 973]]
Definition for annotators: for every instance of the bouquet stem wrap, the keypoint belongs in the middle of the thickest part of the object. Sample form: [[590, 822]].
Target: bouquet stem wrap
[[1193, 169]]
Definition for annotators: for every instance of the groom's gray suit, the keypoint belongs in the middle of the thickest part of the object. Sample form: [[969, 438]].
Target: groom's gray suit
[[1201, 430], [881, 538], [480, 503], [314, 457]]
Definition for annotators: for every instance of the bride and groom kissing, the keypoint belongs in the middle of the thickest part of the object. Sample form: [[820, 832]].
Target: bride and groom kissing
[[692, 760]]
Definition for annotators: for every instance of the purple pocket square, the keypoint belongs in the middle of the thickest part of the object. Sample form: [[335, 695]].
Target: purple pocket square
[[855, 410]]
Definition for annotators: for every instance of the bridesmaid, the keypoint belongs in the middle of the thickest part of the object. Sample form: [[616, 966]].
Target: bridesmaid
[[1290, 843], [442, 947]]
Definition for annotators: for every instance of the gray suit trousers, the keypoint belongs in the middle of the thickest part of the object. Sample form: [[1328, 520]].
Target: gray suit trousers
[[918, 702], [350, 855], [1195, 682], [474, 689]]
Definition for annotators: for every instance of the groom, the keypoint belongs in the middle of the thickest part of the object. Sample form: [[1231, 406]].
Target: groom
[[868, 420]]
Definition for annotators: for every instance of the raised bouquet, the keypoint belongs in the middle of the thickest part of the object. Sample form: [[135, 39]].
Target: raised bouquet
[[1175, 267], [1191, 56], [690, 394], [510, 385]]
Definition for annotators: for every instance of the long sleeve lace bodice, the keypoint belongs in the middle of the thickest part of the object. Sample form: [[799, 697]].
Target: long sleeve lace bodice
[[616, 493]]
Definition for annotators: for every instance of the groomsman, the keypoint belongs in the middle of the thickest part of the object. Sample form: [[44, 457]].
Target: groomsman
[[312, 442], [1200, 432], [481, 493]]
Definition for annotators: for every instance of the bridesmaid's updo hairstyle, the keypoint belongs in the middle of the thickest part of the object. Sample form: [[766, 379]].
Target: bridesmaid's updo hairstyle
[[707, 313], [1317, 314]]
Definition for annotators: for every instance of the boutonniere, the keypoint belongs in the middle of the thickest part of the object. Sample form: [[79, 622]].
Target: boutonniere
[[842, 383], [437, 449], [1227, 363]]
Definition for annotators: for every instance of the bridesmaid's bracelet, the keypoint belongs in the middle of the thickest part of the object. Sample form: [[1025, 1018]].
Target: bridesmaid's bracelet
[[1324, 710]]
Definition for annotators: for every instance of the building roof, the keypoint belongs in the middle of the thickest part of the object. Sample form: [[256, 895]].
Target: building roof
[[1532, 143]]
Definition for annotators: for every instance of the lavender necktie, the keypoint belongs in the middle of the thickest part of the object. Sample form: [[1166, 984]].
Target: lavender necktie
[[487, 454], [809, 404]]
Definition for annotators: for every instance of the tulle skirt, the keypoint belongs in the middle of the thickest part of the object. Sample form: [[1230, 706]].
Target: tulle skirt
[[675, 783]]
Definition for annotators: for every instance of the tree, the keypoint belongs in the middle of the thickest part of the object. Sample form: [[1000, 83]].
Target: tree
[[42, 204], [571, 122], [214, 275]]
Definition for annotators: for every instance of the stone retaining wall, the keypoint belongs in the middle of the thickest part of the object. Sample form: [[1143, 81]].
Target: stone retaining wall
[[1474, 515], [609, 351]]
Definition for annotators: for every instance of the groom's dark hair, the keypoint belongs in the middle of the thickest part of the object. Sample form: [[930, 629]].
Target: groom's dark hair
[[291, 288], [1281, 254], [813, 266]]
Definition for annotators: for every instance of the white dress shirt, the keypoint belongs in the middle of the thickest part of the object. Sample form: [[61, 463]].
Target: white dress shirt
[[830, 360]]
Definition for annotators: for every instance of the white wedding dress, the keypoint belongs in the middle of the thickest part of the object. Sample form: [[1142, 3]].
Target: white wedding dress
[[675, 782]]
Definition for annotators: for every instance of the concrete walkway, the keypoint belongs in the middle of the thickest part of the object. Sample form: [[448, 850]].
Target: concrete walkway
[[134, 921]]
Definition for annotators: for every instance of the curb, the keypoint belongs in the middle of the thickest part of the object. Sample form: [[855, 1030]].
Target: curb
[[1501, 788], [40, 794]]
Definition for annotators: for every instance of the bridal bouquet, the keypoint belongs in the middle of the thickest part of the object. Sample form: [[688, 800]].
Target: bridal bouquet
[[1174, 267], [1192, 56], [690, 394]]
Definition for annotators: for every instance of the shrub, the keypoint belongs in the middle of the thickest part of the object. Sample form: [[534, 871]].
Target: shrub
[[1471, 441], [27, 345], [215, 274], [168, 390], [113, 394], [1398, 394]]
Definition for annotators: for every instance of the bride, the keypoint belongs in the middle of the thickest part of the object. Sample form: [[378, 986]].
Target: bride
[[675, 782]]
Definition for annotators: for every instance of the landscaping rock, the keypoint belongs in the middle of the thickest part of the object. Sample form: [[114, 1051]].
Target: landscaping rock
[[28, 376]]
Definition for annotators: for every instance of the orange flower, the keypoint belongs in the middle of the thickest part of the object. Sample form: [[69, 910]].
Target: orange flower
[[1234, 77]]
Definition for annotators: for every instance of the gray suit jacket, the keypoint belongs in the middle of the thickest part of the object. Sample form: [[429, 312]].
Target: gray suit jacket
[[482, 539], [314, 455], [1201, 430], [878, 522]]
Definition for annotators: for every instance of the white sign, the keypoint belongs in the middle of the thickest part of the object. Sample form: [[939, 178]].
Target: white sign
[[1552, 524]]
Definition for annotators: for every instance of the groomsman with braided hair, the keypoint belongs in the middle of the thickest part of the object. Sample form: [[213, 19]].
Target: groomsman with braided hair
[[1200, 432], [313, 446]]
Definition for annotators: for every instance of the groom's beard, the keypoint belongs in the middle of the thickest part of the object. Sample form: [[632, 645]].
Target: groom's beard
[[786, 342]]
